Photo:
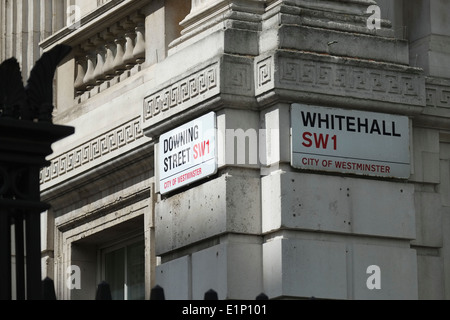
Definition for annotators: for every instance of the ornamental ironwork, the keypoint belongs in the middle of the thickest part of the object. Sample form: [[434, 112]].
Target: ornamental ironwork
[[26, 136]]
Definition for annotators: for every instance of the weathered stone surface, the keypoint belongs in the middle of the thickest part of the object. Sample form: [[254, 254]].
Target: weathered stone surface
[[319, 268], [331, 78], [229, 203], [398, 272], [219, 267], [288, 232], [305, 268], [336, 204]]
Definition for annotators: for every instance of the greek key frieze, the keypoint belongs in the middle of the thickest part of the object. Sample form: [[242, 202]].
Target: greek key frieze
[[188, 89], [238, 77], [264, 72], [77, 158], [438, 96], [342, 79]]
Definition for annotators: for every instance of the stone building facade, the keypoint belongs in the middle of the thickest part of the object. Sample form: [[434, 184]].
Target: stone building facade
[[272, 215]]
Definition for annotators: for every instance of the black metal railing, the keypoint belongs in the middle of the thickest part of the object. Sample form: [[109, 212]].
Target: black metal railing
[[104, 292], [26, 136]]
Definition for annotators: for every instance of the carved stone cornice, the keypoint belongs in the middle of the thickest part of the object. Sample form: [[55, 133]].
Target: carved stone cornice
[[326, 77], [228, 79], [289, 76]]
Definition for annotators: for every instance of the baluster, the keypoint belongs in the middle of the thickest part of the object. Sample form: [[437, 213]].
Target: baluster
[[79, 81], [118, 64], [91, 56], [139, 48], [108, 67], [130, 35], [110, 53], [128, 58], [100, 52], [79, 85], [81, 67]]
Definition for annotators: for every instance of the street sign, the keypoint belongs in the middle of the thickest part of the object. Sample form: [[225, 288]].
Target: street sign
[[350, 141], [188, 153]]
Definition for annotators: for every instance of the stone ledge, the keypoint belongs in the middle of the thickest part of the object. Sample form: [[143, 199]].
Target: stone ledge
[[345, 44], [346, 16]]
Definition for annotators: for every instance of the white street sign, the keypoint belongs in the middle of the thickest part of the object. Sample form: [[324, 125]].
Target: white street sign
[[188, 153], [350, 141]]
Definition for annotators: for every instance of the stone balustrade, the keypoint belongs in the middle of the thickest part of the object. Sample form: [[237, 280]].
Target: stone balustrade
[[110, 54]]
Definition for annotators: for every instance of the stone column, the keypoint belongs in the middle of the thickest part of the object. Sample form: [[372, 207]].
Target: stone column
[[429, 36], [23, 24], [322, 53], [427, 23]]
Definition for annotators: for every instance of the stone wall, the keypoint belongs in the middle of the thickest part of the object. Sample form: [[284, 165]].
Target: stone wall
[[259, 224]]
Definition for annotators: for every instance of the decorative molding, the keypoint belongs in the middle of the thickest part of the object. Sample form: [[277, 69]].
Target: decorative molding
[[356, 81], [107, 143], [114, 51], [340, 79], [138, 201], [438, 96], [238, 76], [264, 72], [196, 87]]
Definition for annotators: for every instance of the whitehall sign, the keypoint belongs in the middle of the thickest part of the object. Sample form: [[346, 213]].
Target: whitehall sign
[[350, 141], [188, 153]]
